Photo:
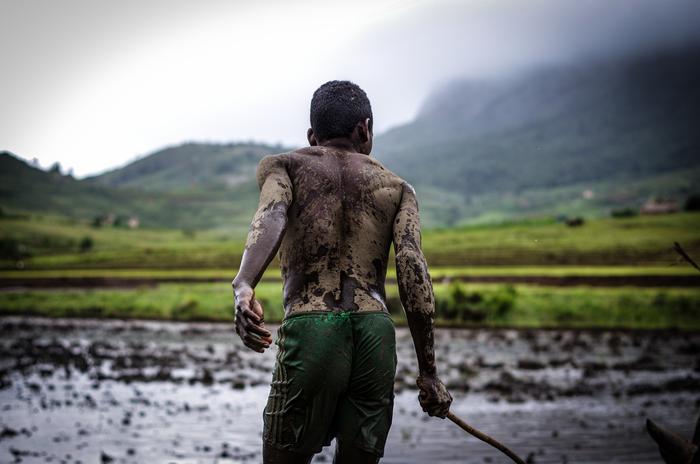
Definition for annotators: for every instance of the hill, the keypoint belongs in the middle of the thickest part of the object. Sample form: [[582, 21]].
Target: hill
[[161, 190], [191, 167], [530, 144], [27, 188]]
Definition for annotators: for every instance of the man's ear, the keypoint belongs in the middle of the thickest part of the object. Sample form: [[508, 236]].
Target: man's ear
[[363, 131], [311, 137]]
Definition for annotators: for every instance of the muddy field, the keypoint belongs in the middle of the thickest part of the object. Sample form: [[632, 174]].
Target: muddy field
[[111, 391]]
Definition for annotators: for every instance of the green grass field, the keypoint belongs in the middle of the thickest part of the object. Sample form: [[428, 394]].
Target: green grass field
[[43, 242], [45, 247], [484, 305], [436, 272], [628, 241]]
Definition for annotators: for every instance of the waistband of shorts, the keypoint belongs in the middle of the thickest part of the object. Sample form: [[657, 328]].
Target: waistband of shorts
[[335, 314]]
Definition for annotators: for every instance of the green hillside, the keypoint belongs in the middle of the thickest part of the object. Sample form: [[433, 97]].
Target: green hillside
[[488, 151], [54, 243], [532, 144], [191, 167], [478, 152], [26, 188], [174, 201]]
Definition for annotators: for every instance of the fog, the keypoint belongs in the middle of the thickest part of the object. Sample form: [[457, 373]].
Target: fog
[[95, 84]]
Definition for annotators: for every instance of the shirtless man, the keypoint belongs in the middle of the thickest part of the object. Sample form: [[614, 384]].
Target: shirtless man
[[333, 213]]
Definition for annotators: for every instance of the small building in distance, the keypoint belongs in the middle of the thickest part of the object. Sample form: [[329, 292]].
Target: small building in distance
[[660, 206], [114, 220], [109, 219]]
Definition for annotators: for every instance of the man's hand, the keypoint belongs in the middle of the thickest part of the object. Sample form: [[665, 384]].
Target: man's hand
[[249, 320], [433, 396]]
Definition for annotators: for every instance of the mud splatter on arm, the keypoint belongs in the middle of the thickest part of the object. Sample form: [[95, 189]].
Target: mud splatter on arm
[[270, 220], [415, 287], [416, 291], [264, 238]]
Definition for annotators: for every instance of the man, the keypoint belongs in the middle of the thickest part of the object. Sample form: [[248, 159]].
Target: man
[[333, 212]]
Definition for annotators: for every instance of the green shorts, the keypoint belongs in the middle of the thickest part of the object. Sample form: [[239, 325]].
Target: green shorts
[[334, 377]]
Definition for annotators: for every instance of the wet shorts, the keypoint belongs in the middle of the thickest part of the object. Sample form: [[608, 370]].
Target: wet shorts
[[334, 377]]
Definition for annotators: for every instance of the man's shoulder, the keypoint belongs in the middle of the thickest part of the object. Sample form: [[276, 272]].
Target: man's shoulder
[[287, 157], [387, 173], [302, 153], [302, 156], [269, 164], [395, 179], [284, 161], [274, 158]]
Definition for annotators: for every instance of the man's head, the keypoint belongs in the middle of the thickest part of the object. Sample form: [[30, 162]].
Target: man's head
[[341, 110]]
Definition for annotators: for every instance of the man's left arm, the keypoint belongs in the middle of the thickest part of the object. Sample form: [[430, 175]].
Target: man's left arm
[[264, 238]]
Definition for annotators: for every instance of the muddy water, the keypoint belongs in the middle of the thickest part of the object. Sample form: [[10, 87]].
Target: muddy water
[[111, 391]]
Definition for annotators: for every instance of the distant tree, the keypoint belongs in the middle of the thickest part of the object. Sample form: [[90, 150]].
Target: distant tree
[[692, 203], [55, 168], [624, 212], [97, 222], [86, 244], [452, 216], [575, 222], [13, 249]]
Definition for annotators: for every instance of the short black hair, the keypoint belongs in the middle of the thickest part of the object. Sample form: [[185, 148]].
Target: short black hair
[[337, 107]]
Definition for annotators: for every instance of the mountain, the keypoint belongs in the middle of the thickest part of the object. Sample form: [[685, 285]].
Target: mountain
[[27, 188], [191, 186], [207, 185], [191, 167], [571, 139], [531, 144]]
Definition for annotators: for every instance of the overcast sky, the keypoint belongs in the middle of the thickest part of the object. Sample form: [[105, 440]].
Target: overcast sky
[[94, 84]]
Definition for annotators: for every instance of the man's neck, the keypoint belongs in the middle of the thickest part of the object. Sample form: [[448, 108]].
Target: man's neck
[[342, 143]]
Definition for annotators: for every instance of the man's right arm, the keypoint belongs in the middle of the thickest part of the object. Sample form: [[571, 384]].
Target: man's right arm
[[264, 238], [417, 297]]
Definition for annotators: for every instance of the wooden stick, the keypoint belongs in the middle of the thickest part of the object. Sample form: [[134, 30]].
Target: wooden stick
[[485, 438], [684, 255]]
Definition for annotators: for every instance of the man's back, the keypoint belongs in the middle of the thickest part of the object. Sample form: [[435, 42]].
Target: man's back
[[339, 230]]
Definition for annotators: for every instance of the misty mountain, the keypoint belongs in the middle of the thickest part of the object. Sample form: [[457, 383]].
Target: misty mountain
[[624, 129], [578, 139]]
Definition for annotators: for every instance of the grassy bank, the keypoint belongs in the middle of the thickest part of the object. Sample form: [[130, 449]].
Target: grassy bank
[[436, 272], [44, 242], [457, 305]]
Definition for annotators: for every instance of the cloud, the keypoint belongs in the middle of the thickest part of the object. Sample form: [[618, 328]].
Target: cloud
[[94, 84], [415, 51]]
